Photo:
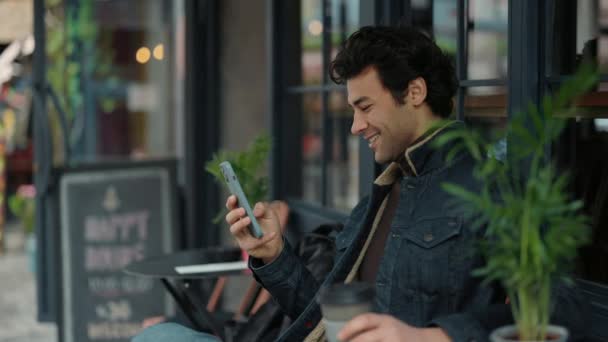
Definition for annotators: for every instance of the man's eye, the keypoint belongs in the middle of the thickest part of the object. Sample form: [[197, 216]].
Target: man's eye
[[366, 108]]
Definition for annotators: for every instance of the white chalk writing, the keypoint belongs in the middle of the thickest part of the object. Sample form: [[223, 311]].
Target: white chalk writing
[[119, 310], [112, 258], [112, 330], [112, 286], [117, 227]]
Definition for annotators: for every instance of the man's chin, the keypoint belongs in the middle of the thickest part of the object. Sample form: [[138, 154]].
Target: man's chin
[[380, 159]]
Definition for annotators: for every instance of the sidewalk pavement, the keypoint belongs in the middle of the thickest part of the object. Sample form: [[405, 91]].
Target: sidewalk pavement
[[18, 295]]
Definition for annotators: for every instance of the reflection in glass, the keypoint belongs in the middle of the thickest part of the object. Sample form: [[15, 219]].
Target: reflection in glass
[[312, 147], [343, 163], [445, 26], [487, 39], [486, 53], [311, 25], [579, 35], [134, 63], [344, 19]]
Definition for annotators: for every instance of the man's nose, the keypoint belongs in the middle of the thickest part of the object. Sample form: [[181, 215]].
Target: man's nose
[[358, 124]]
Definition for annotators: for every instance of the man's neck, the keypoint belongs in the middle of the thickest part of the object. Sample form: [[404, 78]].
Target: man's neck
[[427, 123]]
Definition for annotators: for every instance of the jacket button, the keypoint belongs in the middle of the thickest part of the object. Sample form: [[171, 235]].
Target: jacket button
[[410, 186], [395, 236], [428, 237]]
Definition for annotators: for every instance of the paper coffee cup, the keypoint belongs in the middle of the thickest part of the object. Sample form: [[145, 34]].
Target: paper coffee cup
[[342, 302]]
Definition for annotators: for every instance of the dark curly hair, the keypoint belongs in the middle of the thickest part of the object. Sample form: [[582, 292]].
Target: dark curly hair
[[399, 54]]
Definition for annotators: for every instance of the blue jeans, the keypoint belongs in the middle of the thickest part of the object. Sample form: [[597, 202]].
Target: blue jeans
[[172, 332]]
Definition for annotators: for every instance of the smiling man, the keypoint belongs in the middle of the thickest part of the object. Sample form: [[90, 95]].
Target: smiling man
[[406, 238], [402, 238]]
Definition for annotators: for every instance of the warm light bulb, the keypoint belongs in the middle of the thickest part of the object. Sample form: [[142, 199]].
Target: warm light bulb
[[159, 52], [142, 55], [315, 27]]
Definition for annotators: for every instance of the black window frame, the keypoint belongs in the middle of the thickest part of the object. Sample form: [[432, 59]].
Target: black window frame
[[286, 156]]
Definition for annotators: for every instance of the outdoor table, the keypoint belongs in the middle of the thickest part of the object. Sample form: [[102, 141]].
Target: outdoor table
[[207, 263]]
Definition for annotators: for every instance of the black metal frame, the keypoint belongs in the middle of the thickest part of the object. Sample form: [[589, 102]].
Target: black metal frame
[[284, 54], [202, 121], [524, 53], [47, 275]]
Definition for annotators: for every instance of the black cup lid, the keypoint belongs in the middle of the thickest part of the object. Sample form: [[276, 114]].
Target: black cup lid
[[352, 293]]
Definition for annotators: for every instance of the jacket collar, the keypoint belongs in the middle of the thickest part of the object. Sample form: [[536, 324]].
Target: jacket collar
[[417, 158]]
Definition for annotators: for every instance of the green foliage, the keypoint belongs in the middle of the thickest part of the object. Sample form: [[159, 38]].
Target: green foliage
[[247, 165], [75, 48], [533, 227], [23, 208]]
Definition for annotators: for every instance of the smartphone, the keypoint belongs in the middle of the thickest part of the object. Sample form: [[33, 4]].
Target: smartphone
[[235, 188]]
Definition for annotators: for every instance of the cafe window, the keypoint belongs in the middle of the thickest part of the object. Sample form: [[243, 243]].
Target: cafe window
[[474, 34], [132, 78], [330, 161], [329, 153], [481, 60], [578, 33]]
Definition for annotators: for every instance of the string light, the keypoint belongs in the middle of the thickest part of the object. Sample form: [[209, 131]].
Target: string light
[[159, 52], [315, 27], [142, 55]]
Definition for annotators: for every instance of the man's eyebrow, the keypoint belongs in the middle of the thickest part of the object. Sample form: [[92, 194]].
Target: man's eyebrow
[[358, 101]]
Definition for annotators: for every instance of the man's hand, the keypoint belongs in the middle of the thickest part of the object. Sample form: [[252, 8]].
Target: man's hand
[[376, 327], [270, 245]]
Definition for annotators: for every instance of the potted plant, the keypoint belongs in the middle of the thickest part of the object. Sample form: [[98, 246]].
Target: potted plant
[[248, 166], [22, 205], [533, 227]]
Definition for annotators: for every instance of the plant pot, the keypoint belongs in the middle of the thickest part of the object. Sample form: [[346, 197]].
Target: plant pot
[[509, 334]]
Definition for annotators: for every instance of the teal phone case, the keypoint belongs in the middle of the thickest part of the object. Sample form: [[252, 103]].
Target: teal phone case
[[235, 188]]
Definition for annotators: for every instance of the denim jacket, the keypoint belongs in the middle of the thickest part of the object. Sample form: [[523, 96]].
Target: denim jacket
[[424, 277]]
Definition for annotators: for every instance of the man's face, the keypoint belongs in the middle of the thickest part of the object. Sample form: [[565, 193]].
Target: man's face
[[387, 126]]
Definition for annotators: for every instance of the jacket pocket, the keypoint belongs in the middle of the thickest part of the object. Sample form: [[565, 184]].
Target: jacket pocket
[[431, 233], [425, 267]]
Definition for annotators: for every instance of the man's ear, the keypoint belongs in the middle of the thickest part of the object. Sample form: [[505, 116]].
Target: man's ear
[[416, 91]]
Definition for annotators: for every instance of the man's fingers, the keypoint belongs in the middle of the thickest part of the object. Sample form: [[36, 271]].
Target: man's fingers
[[235, 215], [231, 202], [238, 228], [358, 325]]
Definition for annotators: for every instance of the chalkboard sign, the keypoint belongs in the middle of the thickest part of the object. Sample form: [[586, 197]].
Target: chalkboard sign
[[109, 218]]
